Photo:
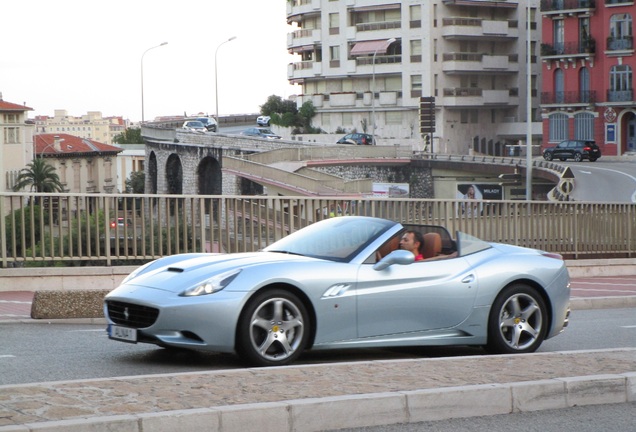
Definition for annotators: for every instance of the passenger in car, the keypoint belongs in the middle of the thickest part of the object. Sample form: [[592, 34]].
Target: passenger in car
[[413, 241]]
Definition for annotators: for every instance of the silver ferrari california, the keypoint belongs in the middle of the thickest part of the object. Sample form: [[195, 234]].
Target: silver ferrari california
[[344, 282]]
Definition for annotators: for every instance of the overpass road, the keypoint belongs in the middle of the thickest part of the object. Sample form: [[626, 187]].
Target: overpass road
[[609, 180]]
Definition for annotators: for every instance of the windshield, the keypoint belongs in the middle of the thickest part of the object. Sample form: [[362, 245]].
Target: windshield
[[467, 244], [335, 239]]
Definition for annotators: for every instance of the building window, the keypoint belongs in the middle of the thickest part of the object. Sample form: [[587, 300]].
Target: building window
[[558, 127], [416, 50], [334, 23], [416, 85], [559, 86], [620, 84], [584, 126], [558, 33], [620, 32], [10, 118], [334, 56], [415, 13], [11, 135], [584, 85]]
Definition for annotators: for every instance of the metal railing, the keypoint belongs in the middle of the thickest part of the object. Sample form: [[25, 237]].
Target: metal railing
[[113, 229]]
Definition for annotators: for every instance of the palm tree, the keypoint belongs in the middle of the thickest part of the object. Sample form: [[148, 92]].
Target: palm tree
[[39, 177]]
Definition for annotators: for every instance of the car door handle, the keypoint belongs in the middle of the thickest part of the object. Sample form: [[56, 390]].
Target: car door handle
[[469, 279]]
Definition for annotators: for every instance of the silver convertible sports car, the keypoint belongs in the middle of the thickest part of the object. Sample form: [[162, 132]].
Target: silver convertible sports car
[[344, 283]]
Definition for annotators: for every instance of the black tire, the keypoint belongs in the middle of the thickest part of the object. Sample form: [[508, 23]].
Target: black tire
[[518, 321], [563, 159], [578, 157], [547, 156], [592, 159], [273, 329]]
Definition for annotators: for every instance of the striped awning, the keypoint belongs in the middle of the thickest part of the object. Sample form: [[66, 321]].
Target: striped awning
[[370, 47]]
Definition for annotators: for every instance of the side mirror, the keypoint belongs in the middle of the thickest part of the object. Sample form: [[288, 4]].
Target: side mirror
[[401, 257]]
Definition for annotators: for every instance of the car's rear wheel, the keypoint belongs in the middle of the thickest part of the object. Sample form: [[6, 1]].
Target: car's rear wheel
[[518, 321], [547, 156], [273, 329], [578, 157], [592, 159]]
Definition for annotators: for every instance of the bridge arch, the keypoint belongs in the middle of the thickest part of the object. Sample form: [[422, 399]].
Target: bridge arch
[[151, 182], [174, 175], [209, 176]]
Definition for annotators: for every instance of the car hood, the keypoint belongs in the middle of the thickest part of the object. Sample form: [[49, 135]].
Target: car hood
[[177, 272]]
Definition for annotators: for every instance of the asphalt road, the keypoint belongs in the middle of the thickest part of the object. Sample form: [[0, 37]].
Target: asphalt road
[[589, 418], [41, 352], [604, 181]]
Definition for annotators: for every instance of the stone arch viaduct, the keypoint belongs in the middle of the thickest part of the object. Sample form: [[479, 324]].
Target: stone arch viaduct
[[179, 162]]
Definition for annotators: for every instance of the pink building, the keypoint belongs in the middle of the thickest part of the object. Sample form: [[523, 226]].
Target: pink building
[[588, 65]]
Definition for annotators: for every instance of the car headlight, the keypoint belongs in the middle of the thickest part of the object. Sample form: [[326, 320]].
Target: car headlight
[[212, 285]]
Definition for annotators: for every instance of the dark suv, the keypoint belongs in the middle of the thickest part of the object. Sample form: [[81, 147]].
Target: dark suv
[[573, 149]]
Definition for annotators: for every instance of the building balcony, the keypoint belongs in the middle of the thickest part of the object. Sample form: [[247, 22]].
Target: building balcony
[[620, 96], [586, 48], [351, 101], [304, 69], [303, 37], [568, 98], [620, 44], [478, 63], [558, 7], [374, 26], [619, 2], [299, 7], [477, 28], [512, 4], [469, 97]]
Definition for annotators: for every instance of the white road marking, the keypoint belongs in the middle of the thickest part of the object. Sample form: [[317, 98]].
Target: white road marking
[[6, 356]]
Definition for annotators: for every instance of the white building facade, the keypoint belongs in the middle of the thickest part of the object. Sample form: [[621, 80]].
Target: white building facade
[[469, 55]]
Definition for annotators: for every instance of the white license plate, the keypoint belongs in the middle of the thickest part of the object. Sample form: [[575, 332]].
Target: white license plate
[[122, 333]]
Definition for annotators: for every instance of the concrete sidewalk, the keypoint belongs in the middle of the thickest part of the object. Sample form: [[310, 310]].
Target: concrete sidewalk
[[323, 397]]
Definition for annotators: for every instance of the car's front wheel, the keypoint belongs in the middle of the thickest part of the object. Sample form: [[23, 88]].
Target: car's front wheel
[[273, 329], [518, 321], [547, 156]]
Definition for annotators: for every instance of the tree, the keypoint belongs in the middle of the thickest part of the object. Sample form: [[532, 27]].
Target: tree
[[39, 177], [136, 182], [285, 113], [129, 136]]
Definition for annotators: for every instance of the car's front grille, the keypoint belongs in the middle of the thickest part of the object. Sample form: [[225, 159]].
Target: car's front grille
[[131, 315]]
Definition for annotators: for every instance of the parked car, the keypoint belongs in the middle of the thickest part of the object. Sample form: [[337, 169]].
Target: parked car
[[573, 149], [357, 139], [261, 132], [194, 126], [263, 120], [343, 283]]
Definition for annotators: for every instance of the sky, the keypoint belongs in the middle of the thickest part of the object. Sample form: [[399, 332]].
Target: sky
[[82, 56]]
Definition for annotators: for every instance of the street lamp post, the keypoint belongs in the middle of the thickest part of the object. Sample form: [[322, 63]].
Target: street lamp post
[[216, 82], [142, 77], [528, 109], [388, 42]]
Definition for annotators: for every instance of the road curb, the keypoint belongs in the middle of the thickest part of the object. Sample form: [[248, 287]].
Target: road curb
[[367, 410]]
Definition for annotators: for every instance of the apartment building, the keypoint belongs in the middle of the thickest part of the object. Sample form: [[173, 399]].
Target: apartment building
[[588, 62], [369, 62], [90, 126], [16, 141]]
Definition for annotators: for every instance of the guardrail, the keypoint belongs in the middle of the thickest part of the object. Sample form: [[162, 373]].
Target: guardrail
[[114, 229]]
